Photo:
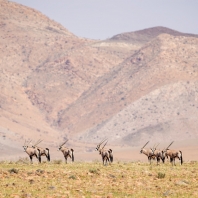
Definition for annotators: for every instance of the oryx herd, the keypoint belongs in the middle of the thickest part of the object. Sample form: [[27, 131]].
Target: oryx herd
[[154, 153], [35, 151], [106, 154]]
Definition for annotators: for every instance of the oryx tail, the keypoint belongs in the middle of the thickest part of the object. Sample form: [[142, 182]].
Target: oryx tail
[[110, 155]]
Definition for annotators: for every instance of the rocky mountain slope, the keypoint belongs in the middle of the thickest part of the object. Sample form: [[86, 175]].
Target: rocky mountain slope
[[131, 88], [154, 91]]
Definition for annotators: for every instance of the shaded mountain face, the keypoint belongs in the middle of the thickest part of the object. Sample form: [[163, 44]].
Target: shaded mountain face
[[154, 91], [130, 88]]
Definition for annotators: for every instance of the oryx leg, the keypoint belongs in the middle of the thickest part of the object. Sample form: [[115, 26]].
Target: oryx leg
[[174, 161], [158, 160], [66, 159], [163, 159], [31, 159], [39, 158], [103, 159], [149, 159], [107, 160], [111, 157], [48, 157]]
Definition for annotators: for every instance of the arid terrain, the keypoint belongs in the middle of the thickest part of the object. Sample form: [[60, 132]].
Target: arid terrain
[[93, 180], [132, 88]]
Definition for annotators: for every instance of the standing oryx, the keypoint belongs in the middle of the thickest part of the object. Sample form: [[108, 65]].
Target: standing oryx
[[42, 151], [147, 152], [31, 151], [107, 155], [172, 154], [66, 152], [158, 154]]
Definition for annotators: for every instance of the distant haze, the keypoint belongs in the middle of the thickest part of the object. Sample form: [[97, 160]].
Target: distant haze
[[101, 19]]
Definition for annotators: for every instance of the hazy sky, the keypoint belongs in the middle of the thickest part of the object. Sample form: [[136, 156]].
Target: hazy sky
[[101, 19]]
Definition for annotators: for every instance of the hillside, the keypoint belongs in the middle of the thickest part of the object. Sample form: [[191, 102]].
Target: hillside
[[153, 92], [130, 88], [27, 39]]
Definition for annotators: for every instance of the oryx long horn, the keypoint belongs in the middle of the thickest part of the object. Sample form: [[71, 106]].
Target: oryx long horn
[[154, 147], [38, 142], [28, 142], [102, 141], [145, 144], [104, 144], [169, 145], [63, 143]]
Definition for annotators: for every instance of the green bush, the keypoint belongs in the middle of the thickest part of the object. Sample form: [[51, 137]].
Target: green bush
[[161, 175]]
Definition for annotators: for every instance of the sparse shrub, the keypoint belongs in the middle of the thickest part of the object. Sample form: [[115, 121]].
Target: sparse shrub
[[24, 160], [160, 175], [72, 177], [96, 161], [2, 162], [94, 171], [112, 176], [13, 170], [30, 173], [57, 162], [39, 171], [11, 162]]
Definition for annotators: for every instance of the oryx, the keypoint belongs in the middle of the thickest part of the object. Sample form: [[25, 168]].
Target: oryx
[[147, 152], [42, 151], [31, 151], [172, 154], [107, 154], [66, 152], [158, 154]]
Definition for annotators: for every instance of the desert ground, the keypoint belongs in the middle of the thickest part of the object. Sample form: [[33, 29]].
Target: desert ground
[[93, 180], [131, 88]]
